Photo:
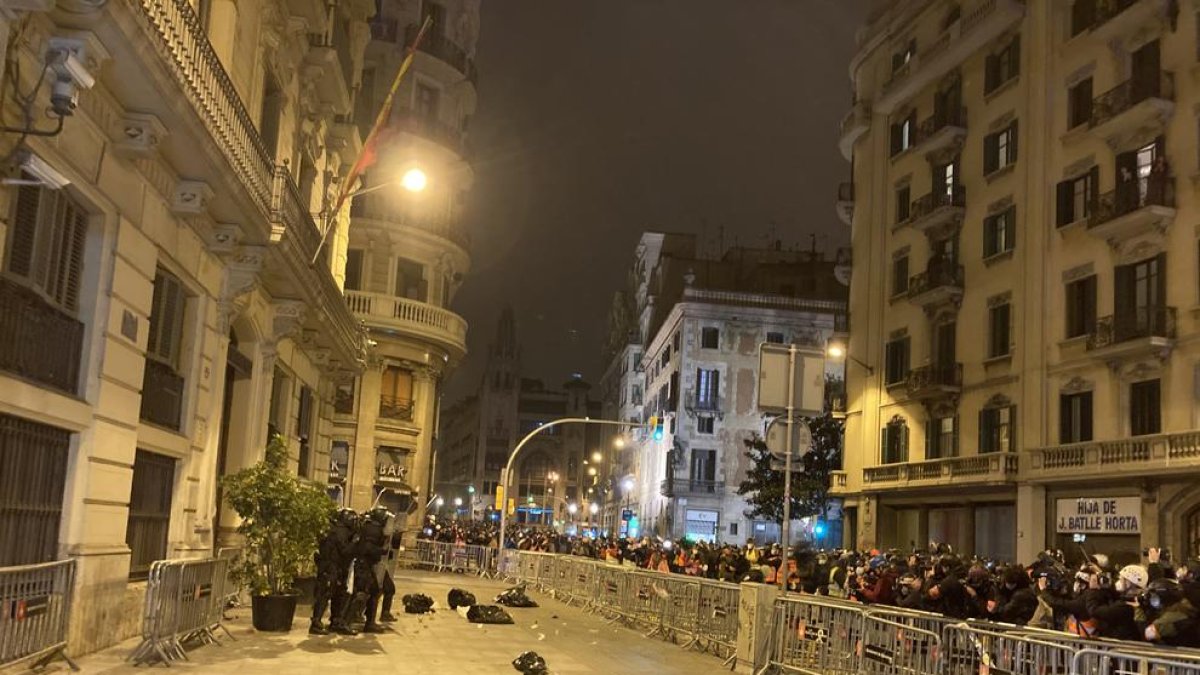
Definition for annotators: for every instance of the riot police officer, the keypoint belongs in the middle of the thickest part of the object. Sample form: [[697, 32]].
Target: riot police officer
[[334, 554], [374, 537]]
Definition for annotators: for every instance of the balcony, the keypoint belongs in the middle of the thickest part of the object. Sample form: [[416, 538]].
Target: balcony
[[444, 49], [324, 65], [990, 469], [1138, 332], [987, 21], [854, 125], [691, 488], [935, 381], [937, 210], [162, 395], [708, 403], [1135, 108], [1138, 456], [412, 318], [845, 203], [38, 342], [940, 284], [1134, 209], [837, 482], [432, 129], [393, 207], [941, 131], [1117, 18], [395, 409]]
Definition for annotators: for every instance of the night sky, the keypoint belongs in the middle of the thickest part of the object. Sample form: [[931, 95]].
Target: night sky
[[600, 119]]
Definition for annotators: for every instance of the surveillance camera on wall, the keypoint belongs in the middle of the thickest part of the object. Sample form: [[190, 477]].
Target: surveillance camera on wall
[[39, 172], [70, 75]]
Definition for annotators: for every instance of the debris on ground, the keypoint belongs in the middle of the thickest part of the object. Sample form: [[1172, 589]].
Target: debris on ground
[[515, 597], [488, 614], [417, 603], [460, 598], [530, 663]]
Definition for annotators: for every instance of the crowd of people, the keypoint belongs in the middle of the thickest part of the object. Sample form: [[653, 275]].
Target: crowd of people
[[1156, 600]]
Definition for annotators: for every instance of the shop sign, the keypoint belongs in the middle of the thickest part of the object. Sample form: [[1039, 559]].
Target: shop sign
[[1104, 515], [391, 466]]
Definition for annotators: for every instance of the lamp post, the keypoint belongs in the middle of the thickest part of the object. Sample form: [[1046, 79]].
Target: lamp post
[[414, 180]]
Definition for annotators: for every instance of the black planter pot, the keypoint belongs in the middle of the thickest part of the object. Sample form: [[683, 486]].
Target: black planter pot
[[273, 612]]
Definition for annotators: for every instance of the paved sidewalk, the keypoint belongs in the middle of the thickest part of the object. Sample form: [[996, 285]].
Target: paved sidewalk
[[433, 644]]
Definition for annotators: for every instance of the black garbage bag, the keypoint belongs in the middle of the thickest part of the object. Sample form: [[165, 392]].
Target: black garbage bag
[[488, 614], [460, 598], [530, 663], [515, 597], [416, 603]]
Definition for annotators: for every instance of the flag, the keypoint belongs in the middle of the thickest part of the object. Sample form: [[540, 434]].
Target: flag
[[370, 146]]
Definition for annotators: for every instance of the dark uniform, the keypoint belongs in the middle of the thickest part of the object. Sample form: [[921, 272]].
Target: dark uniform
[[335, 552], [389, 586], [372, 547]]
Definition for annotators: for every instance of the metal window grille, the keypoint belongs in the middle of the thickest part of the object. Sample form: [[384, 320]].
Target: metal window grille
[[149, 511], [34, 461]]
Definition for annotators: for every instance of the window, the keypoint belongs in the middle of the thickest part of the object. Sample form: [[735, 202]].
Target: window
[[1079, 104], [1003, 66], [354, 269], [1081, 306], [775, 338], [162, 383], [900, 275], [704, 425], [945, 178], [665, 357], [995, 429], [304, 423], [893, 447], [280, 391], [675, 341], [1075, 417], [999, 232], [34, 457], [343, 398], [636, 396], [1000, 149], [999, 318], [710, 338], [903, 203], [896, 361], [427, 102], [1077, 197], [273, 101], [1145, 410], [149, 511], [903, 133], [733, 529], [708, 387], [943, 438], [902, 57], [396, 394], [703, 471], [1083, 15], [410, 280], [46, 245]]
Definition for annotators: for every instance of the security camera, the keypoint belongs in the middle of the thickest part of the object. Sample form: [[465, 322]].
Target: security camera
[[69, 75]]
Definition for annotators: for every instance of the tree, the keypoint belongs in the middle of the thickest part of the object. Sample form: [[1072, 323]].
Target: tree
[[763, 487]]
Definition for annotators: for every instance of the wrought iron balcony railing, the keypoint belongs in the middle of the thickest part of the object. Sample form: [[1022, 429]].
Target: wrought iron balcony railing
[[685, 486], [162, 395], [932, 125], [704, 401], [38, 341], [393, 408], [926, 204], [443, 48], [935, 377], [1129, 93], [1141, 322], [1158, 190], [939, 274]]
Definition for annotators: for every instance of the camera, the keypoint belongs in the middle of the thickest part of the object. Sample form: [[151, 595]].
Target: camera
[[1164, 555], [70, 75]]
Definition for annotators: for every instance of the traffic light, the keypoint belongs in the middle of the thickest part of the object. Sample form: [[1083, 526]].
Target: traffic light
[[656, 428], [819, 529]]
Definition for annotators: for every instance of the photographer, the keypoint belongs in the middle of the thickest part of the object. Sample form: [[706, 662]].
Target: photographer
[[1015, 600], [1169, 618], [1113, 609]]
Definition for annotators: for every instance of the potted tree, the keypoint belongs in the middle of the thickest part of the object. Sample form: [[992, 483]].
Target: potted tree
[[283, 517]]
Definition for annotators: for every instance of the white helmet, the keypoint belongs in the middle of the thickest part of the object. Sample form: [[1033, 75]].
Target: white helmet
[[1135, 575]]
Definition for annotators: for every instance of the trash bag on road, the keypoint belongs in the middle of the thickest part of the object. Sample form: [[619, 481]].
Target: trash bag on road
[[530, 663], [515, 597], [460, 598], [416, 603], [488, 614]]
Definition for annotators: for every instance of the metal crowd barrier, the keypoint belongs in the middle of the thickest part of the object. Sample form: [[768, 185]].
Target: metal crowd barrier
[[233, 592], [441, 556], [1100, 662], [185, 601], [35, 606]]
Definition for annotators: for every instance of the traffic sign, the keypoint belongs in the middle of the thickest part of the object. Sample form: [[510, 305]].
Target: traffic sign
[[777, 440], [627, 514]]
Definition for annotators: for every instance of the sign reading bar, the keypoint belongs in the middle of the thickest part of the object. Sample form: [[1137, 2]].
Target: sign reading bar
[[1110, 515]]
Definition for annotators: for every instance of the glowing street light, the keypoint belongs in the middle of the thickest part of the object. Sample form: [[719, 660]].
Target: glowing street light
[[591, 471], [458, 501], [618, 442], [835, 351], [552, 476], [440, 502], [414, 180], [627, 484], [572, 508], [596, 456], [594, 508]]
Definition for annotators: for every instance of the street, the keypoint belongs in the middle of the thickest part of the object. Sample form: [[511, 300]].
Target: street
[[570, 640]]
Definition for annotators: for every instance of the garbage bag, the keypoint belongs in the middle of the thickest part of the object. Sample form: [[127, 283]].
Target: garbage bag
[[488, 614], [416, 603], [530, 663], [515, 597], [460, 598]]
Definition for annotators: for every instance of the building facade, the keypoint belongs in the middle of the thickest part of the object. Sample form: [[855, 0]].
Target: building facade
[[1022, 277], [558, 474], [173, 269], [684, 343]]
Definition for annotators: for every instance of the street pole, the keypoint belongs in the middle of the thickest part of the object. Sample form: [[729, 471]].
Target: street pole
[[787, 471], [506, 475]]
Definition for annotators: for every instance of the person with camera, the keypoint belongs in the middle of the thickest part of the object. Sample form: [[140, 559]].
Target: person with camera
[[1113, 608], [1015, 600], [1168, 617]]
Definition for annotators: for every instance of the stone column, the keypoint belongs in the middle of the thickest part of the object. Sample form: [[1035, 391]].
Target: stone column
[[360, 476], [1031, 521], [756, 606], [425, 399]]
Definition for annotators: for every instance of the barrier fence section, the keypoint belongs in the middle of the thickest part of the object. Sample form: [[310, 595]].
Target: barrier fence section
[[185, 601], [35, 605], [233, 557], [442, 556], [819, 635]]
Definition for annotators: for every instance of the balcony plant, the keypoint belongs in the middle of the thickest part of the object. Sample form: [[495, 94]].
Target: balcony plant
[[283, 517]]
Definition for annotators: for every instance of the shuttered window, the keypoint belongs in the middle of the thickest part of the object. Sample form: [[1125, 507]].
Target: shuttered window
[[166, 319], [46, 244], [893, 442], [149, 511], [33, 473], [1003, 66]]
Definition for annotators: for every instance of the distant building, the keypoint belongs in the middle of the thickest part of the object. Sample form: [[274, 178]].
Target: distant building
[[683, 342], [477, 435]]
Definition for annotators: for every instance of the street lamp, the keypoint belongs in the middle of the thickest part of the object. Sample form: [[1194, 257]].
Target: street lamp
[[572, 509], [594, 508], [836, 351], [414, 180], [627, 484], [440, 502], [596, 456], [458, 501], [618, 442]]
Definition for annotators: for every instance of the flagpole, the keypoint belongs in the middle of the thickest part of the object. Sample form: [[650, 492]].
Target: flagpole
[[381, 119]]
